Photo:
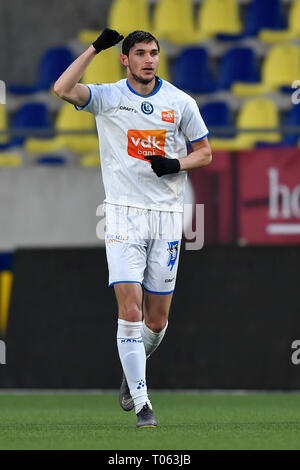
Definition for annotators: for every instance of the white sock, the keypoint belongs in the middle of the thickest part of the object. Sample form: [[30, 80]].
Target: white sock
[[151, 340], [133, 359]]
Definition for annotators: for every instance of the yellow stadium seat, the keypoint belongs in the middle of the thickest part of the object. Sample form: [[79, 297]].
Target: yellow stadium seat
[[129, 15], [68, 119], [173, 20], [90, 160], [3, 123], [280, 68], [257, 113], [292, 32], [219, 17], [88, 36], [10, 159], [163, 69], [6, 279], [105, 68]]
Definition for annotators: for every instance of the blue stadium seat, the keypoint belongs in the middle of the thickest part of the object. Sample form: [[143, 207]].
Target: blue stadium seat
[[192, 72], [237, 65], [53, 160], [292, 118], [6, 261], [30, 116], [216, 114], [263, 14], [53, 63]]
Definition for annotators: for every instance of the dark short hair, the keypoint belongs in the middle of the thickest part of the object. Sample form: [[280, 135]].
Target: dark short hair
[[135, 37]]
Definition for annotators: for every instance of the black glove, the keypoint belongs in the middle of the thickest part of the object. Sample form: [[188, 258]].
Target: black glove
[[164, 166], [107, 39]]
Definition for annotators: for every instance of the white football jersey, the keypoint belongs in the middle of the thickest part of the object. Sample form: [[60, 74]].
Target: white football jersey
[[131, 127]]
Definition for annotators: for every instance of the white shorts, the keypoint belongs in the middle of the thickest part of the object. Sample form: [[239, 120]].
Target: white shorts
[[143, 246]]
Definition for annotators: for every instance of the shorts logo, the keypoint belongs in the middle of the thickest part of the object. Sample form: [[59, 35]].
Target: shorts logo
[[143, 144], [147, 107], [168, 116], [173, 251]]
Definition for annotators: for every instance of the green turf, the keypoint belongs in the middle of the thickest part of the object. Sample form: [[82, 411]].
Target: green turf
[[186, 421]]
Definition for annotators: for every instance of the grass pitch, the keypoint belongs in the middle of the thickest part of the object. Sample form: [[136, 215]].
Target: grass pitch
[[187, 421]]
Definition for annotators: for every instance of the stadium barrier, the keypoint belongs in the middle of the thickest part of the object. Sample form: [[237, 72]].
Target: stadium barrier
[[234, 321]]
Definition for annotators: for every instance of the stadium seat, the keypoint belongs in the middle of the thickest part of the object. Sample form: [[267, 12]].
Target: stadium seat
[[163, 68], [3, 123], [292, 118], [292, 32], [29, 116], [219, 17], [52, 160], [6, 280], [129, 15], [192, 72], [173, 20], [261, 14], [257, 113], [237, 65], [106, 69], [10, 159], [88, 36], [216, 114], [53, 63], [90, 160], [279, 69], [68, 119]]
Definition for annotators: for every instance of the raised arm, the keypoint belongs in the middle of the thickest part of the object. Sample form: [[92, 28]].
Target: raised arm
[[67, 86]]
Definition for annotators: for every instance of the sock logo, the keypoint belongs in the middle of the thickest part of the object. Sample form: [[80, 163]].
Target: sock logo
[[141, 384], [131, 340]]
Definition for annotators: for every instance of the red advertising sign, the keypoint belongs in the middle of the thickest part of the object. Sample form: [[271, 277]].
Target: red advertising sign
[[213, 187], [269, 196]]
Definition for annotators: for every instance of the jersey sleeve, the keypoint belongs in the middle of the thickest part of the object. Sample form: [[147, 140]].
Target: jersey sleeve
[[192, 124], [94, 104]]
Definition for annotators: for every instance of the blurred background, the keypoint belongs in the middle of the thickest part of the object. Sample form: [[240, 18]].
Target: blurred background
[[235, 314]]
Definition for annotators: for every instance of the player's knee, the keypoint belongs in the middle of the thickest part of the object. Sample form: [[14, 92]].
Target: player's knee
[[157, 325], [130, 314]]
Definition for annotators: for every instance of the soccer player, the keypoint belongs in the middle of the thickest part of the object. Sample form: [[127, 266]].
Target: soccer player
[[142, 122]]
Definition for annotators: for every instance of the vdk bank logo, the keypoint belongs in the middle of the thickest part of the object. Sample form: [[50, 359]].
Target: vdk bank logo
[[146, 143], [2, 353], [2, 92]]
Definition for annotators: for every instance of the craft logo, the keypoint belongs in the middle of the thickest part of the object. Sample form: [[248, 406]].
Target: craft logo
[[143, 144], [173, 251], [2, 92], [126, 108], [168, 116]]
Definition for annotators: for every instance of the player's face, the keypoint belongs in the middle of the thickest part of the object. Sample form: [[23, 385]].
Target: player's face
[[143, 61]]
